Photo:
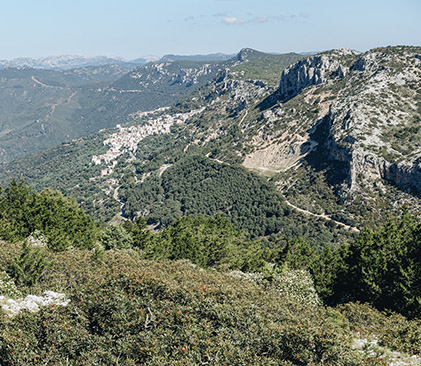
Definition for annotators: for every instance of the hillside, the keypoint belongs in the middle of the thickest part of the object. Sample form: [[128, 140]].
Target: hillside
[[351, 120], [38, 107], [42, 108], [316, 126], [328, 121], [122, 308]]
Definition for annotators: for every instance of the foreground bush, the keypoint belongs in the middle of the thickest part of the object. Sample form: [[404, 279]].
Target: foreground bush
[[58, 219], [380, 267], [392, 330], [132, 311]]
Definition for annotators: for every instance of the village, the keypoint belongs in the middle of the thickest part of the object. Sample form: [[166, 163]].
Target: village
[[126, 139]]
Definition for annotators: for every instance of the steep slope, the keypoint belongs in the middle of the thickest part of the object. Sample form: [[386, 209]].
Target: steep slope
[[157, 85], [42, 108], [353, 118], [337, 135]]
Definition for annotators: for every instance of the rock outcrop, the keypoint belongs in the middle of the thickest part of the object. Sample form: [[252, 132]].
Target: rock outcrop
[[375, 121], [313, 70], [372, 103]]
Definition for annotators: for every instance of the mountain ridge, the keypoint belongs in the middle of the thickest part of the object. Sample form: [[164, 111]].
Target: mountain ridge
[[291, 132], [66, 62]]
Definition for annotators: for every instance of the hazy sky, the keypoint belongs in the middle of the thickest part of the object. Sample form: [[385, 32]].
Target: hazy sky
[[134, 28]]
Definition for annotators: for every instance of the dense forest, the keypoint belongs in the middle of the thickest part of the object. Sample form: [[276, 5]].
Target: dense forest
[[197, 185], [200, 290]]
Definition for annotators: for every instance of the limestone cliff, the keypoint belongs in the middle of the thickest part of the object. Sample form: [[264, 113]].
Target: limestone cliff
[[372, 105], [314, 70]]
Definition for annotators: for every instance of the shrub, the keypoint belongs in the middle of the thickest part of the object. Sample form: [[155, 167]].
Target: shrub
[[297, 284], [7, 286], [134, 311], [116, 237], [28, 268], [392, 330]]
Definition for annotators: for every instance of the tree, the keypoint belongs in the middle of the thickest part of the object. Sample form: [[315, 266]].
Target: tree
[[139, 232], [116, 237], [383, 268], [28, 268], [24, 211]]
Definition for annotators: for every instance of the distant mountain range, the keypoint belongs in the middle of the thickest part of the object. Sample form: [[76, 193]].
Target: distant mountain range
[[209, 57], [66, 62]]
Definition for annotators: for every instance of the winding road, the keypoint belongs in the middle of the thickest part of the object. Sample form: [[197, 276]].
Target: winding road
[[323, 216]]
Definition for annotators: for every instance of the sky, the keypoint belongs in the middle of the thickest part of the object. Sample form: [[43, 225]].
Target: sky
[[138, 28]]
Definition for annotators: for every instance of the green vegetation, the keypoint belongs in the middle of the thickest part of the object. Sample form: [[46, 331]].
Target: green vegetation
[[28, 268], [133, 311], [116, 237], [263, 66], [8, 287], [381, 267], [68, 168], [196, 185], [24, 212], [42, 108], [210, 265], [207, 242], [200, 291]]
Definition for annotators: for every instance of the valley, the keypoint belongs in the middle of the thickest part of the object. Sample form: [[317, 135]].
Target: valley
[[41, 108], [210, 183], [256, 209], [288, 133]]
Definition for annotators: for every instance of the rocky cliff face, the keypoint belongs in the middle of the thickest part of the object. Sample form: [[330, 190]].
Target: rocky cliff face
[[373, 104], [314, 70], [376, 118], [178, 73]]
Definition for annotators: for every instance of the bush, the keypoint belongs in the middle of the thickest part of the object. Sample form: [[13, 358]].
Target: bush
[[392, 330], [7, 286], [28, 268], [116, 237], [297, 284], [143, 312]]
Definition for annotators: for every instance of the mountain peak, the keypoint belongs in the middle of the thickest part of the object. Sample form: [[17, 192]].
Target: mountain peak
[[246, 54]]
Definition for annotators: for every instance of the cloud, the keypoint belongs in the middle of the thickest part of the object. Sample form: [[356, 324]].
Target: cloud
[[232, 21], [189, 18]]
